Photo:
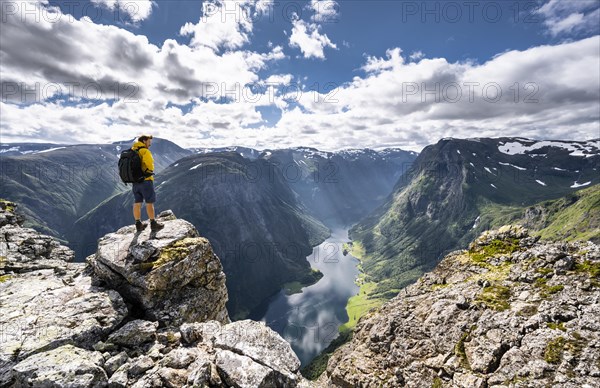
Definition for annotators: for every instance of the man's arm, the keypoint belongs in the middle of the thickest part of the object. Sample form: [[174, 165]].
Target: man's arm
[[147, 162]]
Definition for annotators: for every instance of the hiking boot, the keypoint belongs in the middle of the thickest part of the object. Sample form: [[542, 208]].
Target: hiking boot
[[155, 226], [139, 226]]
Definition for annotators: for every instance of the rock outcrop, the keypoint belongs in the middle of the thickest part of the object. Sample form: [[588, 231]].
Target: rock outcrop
[[145, 311], [46, 301], [510, 311], [171, 276]]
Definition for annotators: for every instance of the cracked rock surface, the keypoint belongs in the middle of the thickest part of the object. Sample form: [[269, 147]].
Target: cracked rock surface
[[510, 311], [172, 276]]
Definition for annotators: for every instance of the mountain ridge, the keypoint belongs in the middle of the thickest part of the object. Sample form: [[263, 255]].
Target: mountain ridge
[[455, 190]]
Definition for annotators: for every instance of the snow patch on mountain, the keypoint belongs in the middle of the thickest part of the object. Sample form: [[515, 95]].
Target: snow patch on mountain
[[576, 185], [512, 165], [575, 148]]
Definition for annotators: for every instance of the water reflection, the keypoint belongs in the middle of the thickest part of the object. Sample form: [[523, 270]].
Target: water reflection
[[309, 320]]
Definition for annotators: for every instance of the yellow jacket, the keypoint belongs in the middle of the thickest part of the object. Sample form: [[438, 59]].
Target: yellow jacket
[[147, 159]]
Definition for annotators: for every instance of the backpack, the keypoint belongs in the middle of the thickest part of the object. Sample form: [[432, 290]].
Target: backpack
[[130, 166]]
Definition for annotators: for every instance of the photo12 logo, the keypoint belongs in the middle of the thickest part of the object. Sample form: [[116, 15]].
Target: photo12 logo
[[32, 11], [31, 93], [469, 11], [455, 92]]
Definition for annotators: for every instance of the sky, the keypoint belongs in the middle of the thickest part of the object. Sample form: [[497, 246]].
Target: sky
[[275, 74]]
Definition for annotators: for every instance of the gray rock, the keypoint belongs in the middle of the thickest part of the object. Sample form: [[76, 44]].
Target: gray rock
[[180, 358], [259, 342], [140, 365], [9, 214], [46, 301], [464, 380], [241, 371], [113, 363], [564, 264], [200, 331], [173, 378], [43, 310], [67, 366], [24, 249], [54, 312], [203, 372], [134, 333], [119, 379], [173, 275]]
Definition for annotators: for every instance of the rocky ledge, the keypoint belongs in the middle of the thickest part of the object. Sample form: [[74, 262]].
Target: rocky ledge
[[147, 310], [171, 276], [509, 311]]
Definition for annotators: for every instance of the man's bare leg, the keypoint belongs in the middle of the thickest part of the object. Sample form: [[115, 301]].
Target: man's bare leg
[[137, 211], [150, 210]]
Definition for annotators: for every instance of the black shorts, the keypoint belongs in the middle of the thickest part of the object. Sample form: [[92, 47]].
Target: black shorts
[[144, 191]]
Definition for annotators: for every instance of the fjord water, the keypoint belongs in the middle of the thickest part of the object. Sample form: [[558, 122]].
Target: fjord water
[[309, 320]]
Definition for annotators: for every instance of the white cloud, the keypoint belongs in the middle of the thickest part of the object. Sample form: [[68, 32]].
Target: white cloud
[[309, 40], [280, 79], [383, 109], [567, 17], [265, 8], [225, 23], [80, 57], [377, 109], [73, 59], [325, 11], [394, 60], [415, 56], [137, 10]]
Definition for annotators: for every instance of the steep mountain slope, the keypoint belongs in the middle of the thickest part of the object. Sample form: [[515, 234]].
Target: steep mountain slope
[[56, 185], [573, 217], [246, 210], [457, 188], [341, 186], [510, 311]]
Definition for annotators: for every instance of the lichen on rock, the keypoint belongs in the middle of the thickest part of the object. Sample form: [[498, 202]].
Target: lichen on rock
[[510, 310], [172, 276]]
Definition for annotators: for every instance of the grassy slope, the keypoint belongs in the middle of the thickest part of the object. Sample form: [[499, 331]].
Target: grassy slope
[[364, 301], [574, 217]]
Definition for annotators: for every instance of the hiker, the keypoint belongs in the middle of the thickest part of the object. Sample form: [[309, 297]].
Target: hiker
[[144, 191]]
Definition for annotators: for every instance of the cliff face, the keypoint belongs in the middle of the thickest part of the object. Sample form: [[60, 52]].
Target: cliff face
[[147, 310], [171, 276], [510, 311]]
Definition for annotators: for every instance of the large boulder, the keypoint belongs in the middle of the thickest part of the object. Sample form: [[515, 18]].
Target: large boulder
[[134, 333], [257, 341], [67, 366], [171, 276]]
